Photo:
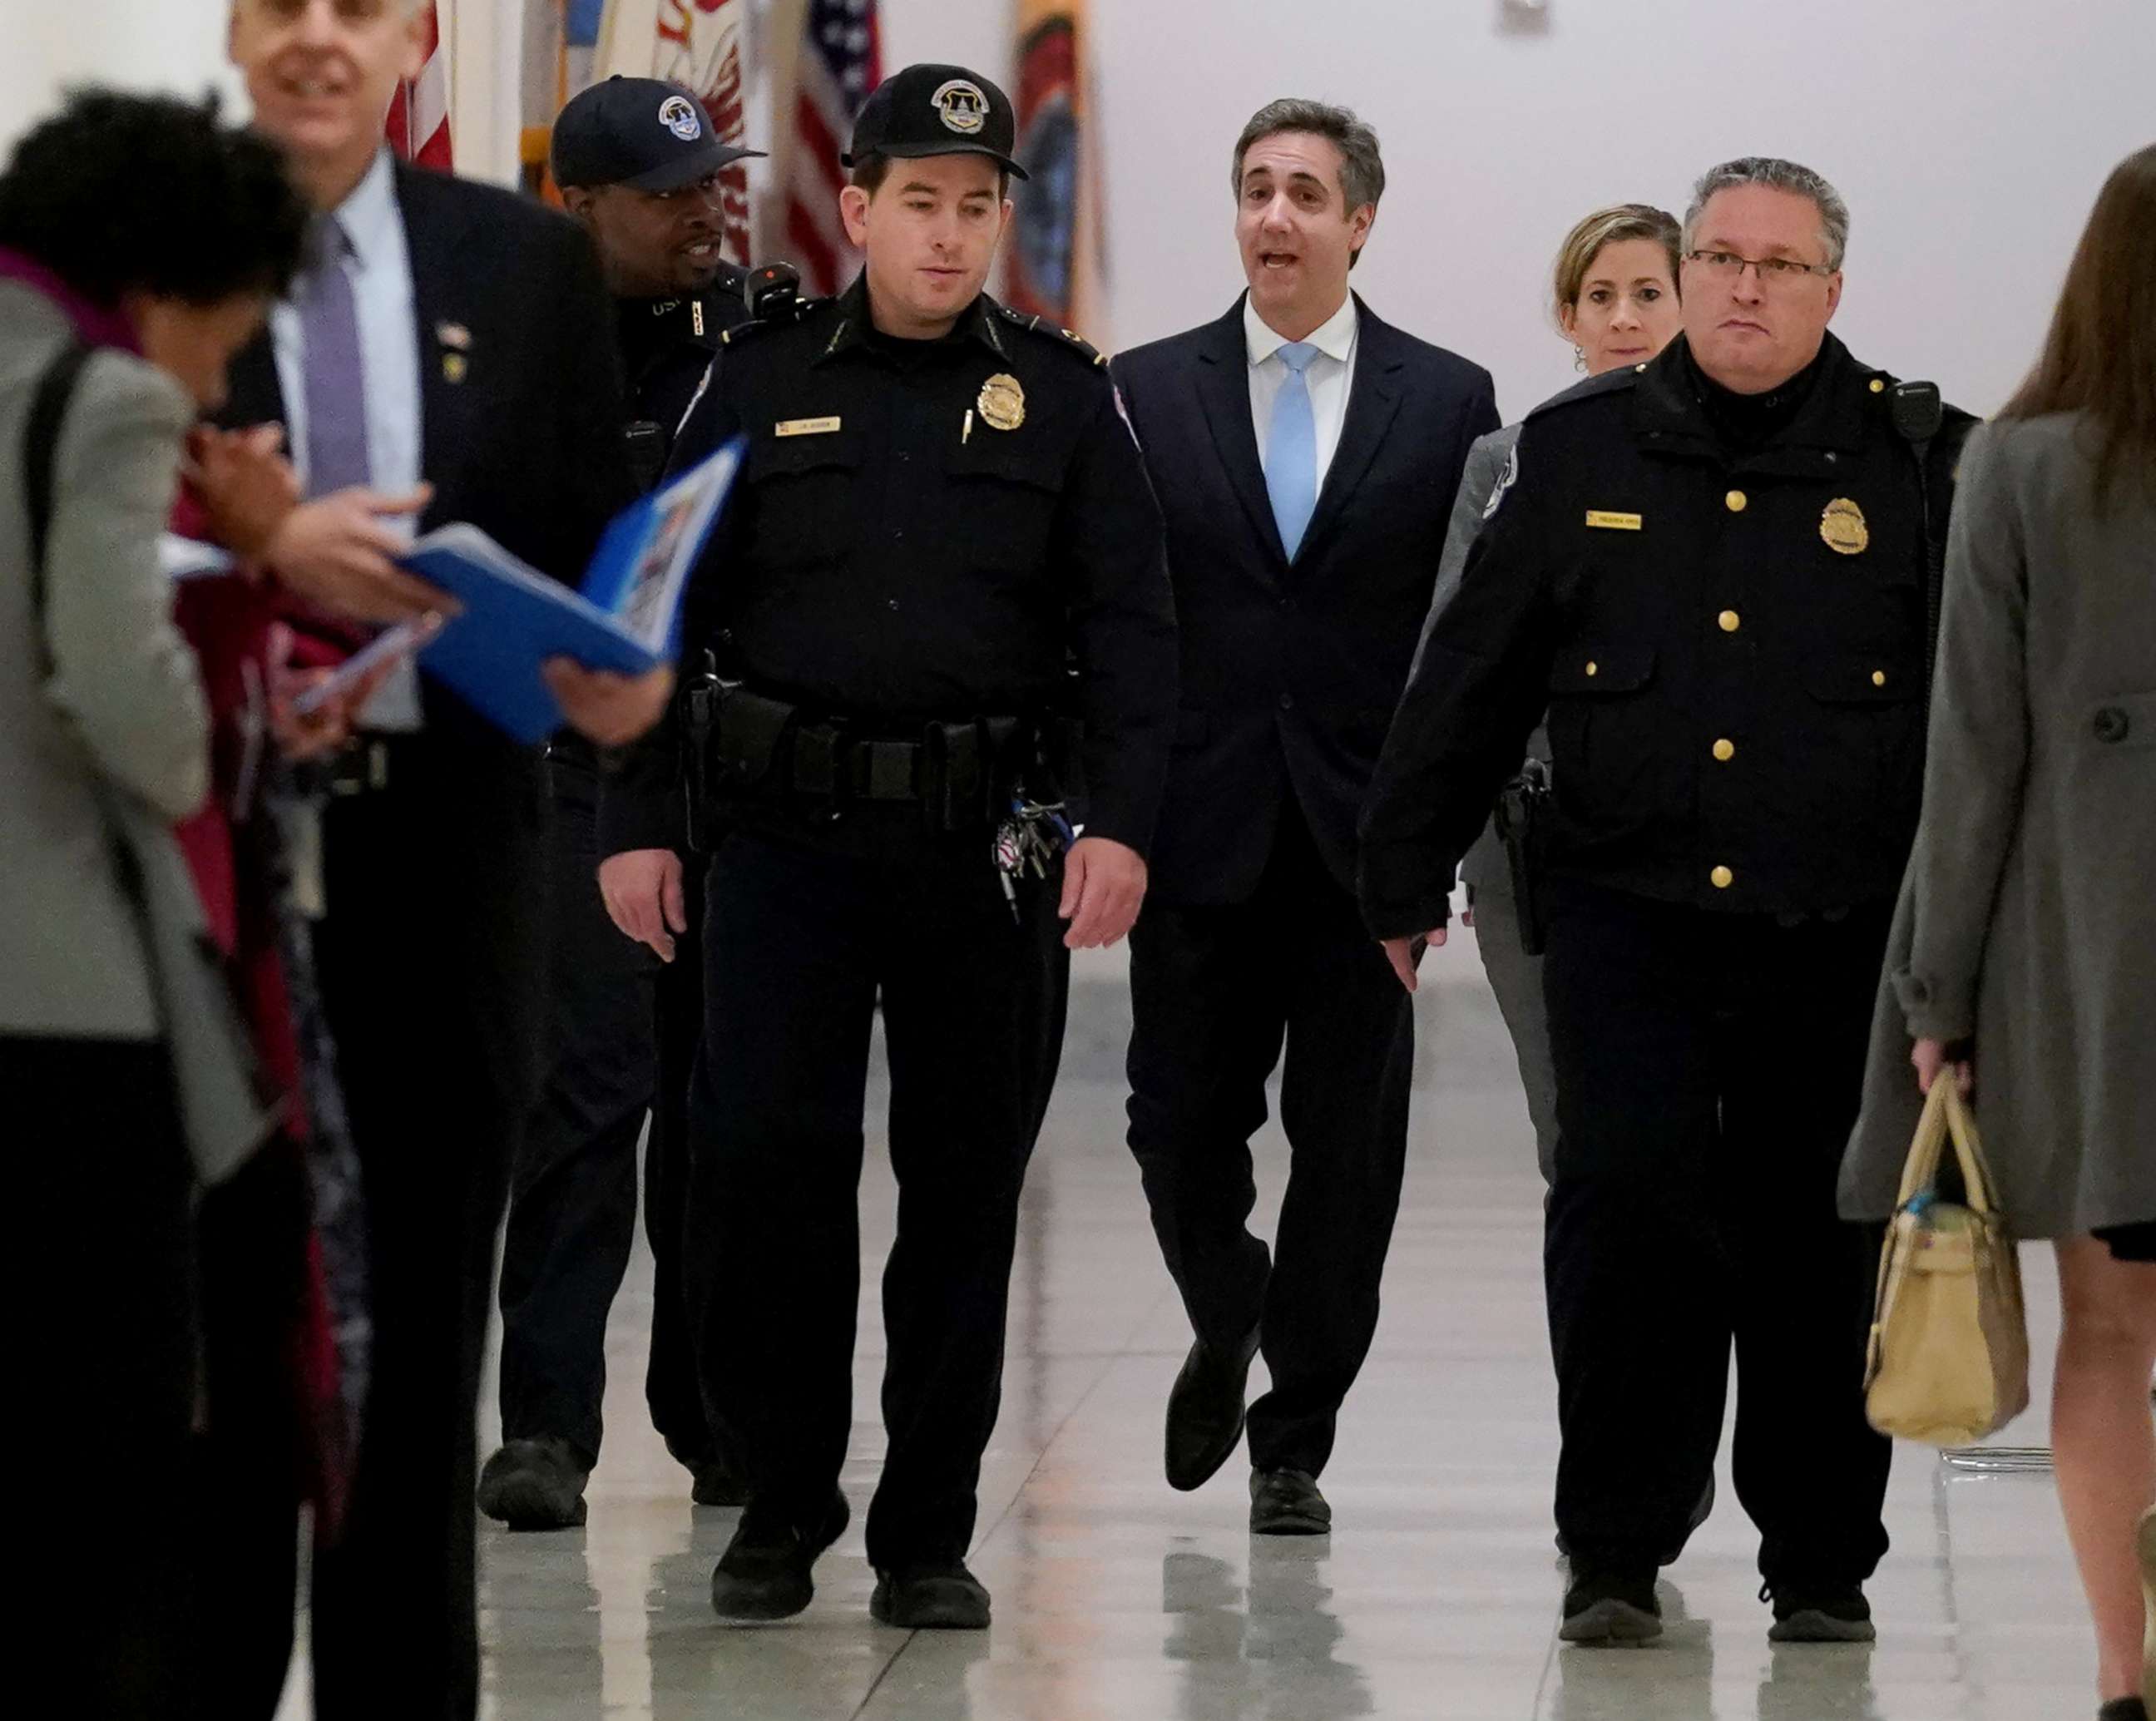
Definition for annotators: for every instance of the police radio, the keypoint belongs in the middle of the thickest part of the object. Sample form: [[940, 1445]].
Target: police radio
[[773, 291]]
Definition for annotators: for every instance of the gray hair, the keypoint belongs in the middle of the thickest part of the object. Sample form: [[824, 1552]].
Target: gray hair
[[1361, 169], [1782, 175]]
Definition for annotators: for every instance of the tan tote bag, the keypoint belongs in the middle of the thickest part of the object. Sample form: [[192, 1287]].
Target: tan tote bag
[[1949, 1354]]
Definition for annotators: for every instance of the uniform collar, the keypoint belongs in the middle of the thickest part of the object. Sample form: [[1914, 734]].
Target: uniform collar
[[1334, 337], [980, 321], [1668, 412]]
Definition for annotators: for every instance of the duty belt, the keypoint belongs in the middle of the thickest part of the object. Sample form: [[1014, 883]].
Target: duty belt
[[961, 773]]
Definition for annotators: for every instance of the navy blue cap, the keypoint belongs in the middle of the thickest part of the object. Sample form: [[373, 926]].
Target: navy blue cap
[[936, 110], [639, 132]]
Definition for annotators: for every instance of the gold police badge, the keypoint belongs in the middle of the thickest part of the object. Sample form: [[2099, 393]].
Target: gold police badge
[[1002, 402], [1843, 527]]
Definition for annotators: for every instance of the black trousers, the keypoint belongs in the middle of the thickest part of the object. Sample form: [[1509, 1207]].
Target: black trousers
[[799, 944], [433, 982], [623, 1042], [1709, 1069], [1216, 994], [105, 1350]]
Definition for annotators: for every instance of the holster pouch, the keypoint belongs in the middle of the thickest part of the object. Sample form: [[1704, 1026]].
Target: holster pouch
[[1522, 822], [747, 731]]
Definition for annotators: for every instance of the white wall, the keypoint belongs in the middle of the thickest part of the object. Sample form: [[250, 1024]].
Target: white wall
[[1969, 135]]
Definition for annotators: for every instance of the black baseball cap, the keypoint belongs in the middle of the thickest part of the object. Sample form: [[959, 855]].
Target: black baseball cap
[[641, 132], [936, 110]]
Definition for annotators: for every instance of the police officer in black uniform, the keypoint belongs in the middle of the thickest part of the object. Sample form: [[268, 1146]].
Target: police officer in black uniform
[[639, 164], [938, 607], [1713, 572]]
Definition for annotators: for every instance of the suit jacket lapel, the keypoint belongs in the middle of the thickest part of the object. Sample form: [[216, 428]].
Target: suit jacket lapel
[[1373, 400], [449, 368], [1222, 380]]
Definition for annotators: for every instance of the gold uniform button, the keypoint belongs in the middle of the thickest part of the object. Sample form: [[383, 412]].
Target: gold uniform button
[[1594, 669], [1878, 386], [1879, 678], [1736, 501], [1725, 751], [1729, 621], [1721, 878]]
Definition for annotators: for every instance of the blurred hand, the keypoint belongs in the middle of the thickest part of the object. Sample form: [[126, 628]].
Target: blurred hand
[[602, 706], [244, 483], [328, 725], [1930, 1056], [1103, 884], [1405, 954], [642, 891], [335, 552]]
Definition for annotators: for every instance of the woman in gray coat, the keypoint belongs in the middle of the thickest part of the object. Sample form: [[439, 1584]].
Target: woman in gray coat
[[141, 234], [2024, 960]]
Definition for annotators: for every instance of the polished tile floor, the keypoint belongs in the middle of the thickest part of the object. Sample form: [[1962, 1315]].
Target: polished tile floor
[[1117, 1600]]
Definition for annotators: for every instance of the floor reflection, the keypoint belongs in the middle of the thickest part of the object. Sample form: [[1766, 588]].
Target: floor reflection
[[1267, 1648]]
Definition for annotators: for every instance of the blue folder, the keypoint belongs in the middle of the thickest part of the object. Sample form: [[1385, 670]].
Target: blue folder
[[626, 618]]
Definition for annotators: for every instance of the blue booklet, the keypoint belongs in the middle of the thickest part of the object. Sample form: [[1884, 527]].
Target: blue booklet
[[626, 618]]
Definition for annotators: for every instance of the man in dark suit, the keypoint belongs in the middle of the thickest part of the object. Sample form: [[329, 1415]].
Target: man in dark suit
[[449, 356], [1306, 454]]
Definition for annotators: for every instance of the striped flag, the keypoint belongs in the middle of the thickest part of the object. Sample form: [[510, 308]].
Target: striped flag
[[702, 45], [840, 60], [419, 116], [1057, 251]]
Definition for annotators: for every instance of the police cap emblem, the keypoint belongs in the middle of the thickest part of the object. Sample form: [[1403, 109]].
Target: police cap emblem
[[1842, 525], [964, 108], [678, 115]]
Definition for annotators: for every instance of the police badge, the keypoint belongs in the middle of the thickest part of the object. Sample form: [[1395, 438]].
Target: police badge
[[1843, 526], [1002, 402]]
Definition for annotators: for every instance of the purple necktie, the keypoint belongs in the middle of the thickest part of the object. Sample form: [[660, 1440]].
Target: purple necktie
[[335, 380]]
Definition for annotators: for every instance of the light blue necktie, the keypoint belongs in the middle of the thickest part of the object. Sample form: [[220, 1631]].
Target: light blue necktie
[[1291, 449]]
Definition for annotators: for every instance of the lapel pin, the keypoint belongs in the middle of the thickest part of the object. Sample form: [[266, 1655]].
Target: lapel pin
[[454, 336], [455, 367]]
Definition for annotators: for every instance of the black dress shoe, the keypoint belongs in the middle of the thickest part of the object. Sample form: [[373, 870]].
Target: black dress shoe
[[1205, 1411], [765, 1574], [1286, 1503], [931, 1597], [1818, 1613], [1610, 1607], [535, 1485]]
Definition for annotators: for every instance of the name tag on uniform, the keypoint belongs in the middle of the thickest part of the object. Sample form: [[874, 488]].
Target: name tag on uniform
[[807, 427], [1612, 522]]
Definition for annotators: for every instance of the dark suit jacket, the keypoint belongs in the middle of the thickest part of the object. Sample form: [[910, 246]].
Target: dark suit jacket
[[1290, 671], [521, 409]]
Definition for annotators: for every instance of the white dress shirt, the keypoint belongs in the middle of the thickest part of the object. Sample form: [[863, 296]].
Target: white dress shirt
[[380, 267], [1331, 375]]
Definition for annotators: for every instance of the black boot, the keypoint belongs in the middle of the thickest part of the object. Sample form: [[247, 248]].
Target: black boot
[[943, 1597], [1818, 1613], [765, 1572], [1609, 1606], [535, 1485]]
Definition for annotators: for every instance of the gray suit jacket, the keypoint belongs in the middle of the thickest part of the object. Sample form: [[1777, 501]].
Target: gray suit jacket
[[124, 706], [1484, 867], [2028, 919]]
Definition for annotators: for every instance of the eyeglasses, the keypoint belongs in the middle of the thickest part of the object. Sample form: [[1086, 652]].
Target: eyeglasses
[[1728, 266]]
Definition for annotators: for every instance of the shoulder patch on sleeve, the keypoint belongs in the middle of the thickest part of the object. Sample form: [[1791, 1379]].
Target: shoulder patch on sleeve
[[1505, 480], [1063, 337]]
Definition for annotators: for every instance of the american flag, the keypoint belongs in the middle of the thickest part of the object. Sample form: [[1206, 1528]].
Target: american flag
[[419, 116], [841, 61]]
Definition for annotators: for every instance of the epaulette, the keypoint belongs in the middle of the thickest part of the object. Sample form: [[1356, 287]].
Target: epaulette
[[792, 311], [1592, 389], [1040, 326]]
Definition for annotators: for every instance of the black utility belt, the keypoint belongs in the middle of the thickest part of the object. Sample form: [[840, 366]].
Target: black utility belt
[[961, 774]]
